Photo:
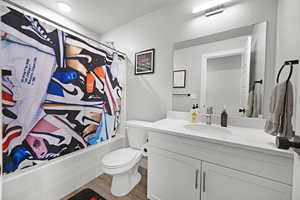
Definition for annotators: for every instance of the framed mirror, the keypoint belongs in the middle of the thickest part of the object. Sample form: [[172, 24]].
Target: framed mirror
[[224, 69]]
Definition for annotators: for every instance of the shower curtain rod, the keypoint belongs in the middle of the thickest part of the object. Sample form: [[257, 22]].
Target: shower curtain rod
[[61, 26]]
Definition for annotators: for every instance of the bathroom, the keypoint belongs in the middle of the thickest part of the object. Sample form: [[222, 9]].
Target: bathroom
[[150, 123]]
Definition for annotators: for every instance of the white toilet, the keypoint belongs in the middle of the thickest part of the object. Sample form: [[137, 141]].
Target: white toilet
[[122, 164]]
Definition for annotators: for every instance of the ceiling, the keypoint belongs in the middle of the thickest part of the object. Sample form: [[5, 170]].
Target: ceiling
[[101, 16]]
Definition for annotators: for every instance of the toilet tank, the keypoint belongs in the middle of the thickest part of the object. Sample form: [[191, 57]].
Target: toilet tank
[[137, 134]]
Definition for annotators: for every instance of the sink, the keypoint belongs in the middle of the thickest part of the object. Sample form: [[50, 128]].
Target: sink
[[210, 129]]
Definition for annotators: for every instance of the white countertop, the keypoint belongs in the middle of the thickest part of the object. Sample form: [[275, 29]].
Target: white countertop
[[247, 138]]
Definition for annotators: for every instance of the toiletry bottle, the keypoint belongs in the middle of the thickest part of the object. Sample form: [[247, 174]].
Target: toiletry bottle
[[198, 112], [191, 113], [194, 114], [224, 118]]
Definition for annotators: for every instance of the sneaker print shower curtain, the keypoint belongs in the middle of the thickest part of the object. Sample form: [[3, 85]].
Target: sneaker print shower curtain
[[60, 93]]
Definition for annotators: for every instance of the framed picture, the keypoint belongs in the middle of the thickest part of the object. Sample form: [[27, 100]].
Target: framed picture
[[144, 62], [179, 77]]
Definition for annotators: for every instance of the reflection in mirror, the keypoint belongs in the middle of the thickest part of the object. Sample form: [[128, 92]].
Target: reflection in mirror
[[223, 77], [223, 69]]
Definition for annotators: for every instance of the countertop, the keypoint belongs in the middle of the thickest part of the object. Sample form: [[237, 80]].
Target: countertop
[[240, 137]]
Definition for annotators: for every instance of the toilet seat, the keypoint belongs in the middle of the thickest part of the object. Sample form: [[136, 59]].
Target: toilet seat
[[121, 158], [122, 165]]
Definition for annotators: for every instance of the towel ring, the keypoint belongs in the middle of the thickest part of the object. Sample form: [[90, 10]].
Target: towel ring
[[291, 63], [291, 72]]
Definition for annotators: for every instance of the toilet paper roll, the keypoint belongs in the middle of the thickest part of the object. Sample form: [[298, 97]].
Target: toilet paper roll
[[145, 150]]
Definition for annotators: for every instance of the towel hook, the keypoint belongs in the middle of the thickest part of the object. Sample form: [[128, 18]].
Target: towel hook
[[256, 82], [291, 63], [259, 82]]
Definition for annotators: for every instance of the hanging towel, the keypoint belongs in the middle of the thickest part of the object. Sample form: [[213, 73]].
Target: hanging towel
[[255, 104], [259, 94], [252, 110], [250, 103], [281, 108]]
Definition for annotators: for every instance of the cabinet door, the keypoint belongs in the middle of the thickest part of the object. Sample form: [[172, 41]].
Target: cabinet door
[[172, 176], [296, 182], [223, 183]]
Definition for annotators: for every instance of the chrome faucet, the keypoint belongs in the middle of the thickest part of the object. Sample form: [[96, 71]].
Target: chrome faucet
[[209, 112]]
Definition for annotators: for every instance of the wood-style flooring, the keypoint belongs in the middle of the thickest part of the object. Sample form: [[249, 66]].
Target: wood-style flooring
[[102, 185]]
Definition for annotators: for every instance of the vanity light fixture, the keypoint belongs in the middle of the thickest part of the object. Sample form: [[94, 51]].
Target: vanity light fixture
[[64, 7], [212, 7]]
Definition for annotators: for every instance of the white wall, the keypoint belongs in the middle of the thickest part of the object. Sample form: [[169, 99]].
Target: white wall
[[288, 47], [288, 44], [191, 60], [149, 96], [223, 84]]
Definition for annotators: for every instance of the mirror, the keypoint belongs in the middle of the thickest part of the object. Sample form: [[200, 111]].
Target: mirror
[[223, 69]]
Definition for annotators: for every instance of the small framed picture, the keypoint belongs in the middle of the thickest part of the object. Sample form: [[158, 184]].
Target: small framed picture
[[144, 62], [179, 77]]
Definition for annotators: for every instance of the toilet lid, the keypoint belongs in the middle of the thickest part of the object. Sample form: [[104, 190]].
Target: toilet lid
[[121, 157]]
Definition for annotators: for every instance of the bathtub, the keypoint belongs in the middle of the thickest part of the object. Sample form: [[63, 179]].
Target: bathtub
[[56, 178]]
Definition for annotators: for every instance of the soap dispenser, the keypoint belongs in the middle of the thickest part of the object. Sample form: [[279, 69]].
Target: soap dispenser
[[197, 108], [194, 114], [224, 118]]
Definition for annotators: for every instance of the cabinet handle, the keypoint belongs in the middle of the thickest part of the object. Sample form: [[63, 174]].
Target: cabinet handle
[[204, 180], [196, 181]]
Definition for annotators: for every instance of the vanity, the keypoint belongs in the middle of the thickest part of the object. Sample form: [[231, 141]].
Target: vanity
[[229, 71], [206, 162], [197, 161]]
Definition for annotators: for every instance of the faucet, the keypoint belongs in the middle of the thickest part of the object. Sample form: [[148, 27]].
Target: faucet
[[209, 112]]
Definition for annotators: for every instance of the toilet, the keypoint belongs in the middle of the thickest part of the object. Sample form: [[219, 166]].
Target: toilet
[[122, 164]]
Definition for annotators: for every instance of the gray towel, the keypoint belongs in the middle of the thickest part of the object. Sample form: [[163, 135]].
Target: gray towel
[[280, 122], [259, 98], [254, 109], [252, 105]]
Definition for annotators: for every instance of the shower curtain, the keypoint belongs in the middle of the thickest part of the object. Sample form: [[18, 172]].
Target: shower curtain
[[60, 93]]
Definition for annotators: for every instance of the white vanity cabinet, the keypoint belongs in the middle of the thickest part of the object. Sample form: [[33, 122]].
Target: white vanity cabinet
[[172, 176], [186, 169]]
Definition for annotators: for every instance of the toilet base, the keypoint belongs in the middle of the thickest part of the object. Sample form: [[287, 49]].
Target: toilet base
[[123, 183]]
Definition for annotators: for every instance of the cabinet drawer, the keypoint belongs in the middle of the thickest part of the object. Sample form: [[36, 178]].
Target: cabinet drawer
[[273, 167]]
